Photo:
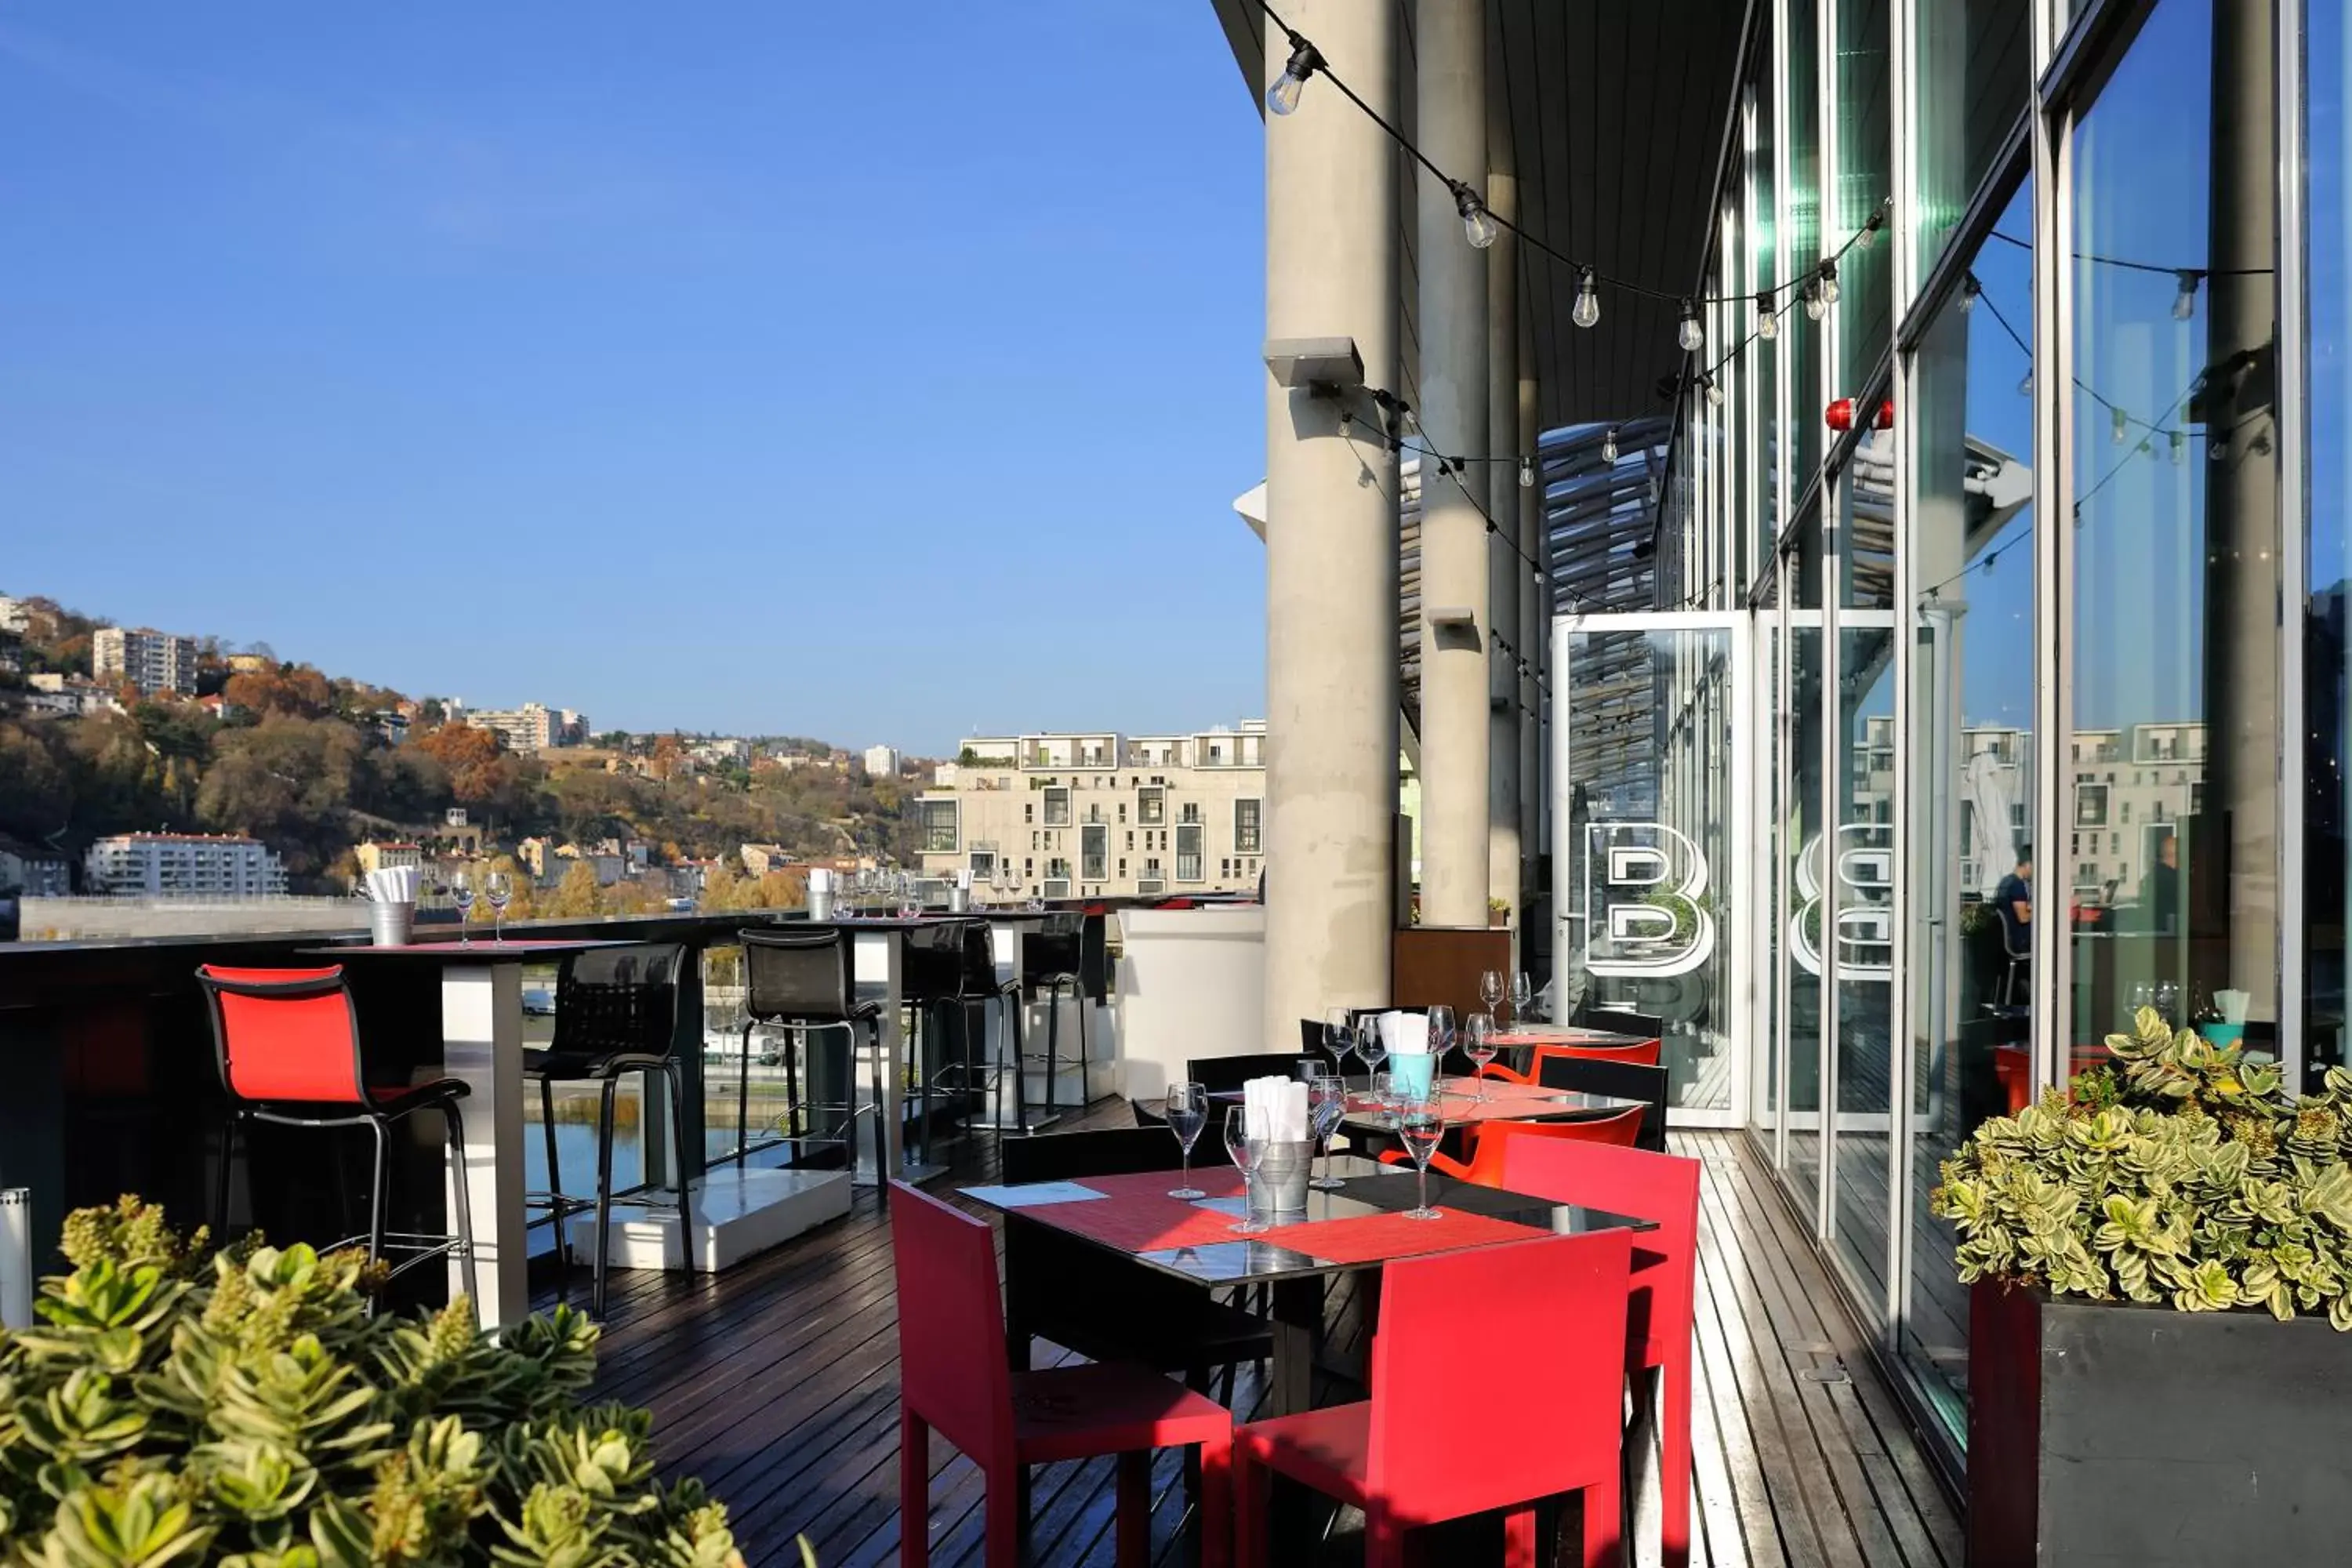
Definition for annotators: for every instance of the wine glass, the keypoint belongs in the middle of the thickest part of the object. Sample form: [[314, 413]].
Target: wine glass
[[1326, 1103], [1371, 1044], [1421, 1122], [911, 896], [1246, 1153], [461, 893], [1385, 1100], [497, 892], [1491, 989], [1478, 1044], [1523, 995], [1187, 1109], [1440, 1040], [1339, 1038]]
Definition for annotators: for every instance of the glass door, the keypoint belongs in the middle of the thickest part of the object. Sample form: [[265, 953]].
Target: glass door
[[1649, 799]]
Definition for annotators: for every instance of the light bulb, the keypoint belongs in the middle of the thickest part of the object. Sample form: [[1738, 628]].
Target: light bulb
[[2118, 424], [1526, 475], [1587, 309], [2180, 446], [1869, 234], [1283, 96], [2217, 450], [1478, 225], [1768, 324], [1813, 306], [1713, 391], [1689, 333], [1829, 283], [2025, 385], [1969, 289], [1609, 445], [2184, 303]]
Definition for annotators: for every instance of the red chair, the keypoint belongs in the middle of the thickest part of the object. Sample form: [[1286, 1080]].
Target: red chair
[[287, 1044], [1663, 1188], [1444, 1437], [1488, 1152], [954, 1377], [1641, 1053]]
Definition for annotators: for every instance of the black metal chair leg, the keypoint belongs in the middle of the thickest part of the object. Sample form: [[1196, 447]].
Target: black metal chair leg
[[1085, 1058], [743, 1099], [554, 1172], [883, 1173], [1016, 1005], [464, 1202], [675, 1075], [795, 1046], [603, 1191], [1053, 1046], [221, 1188], [376, 1194]]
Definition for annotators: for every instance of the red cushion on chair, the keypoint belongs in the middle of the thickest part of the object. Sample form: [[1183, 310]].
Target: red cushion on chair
[[287, 1047]]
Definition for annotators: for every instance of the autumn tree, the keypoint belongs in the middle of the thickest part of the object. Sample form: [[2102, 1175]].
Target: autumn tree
[[296, 690], [577, 897]]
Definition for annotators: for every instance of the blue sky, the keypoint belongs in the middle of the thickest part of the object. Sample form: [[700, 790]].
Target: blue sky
[[874, 372]]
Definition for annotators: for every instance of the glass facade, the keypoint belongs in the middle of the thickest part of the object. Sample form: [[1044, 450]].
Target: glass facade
[[2016, 781]]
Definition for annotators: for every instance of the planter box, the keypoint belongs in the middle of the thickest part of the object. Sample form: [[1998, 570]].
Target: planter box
[[2105, 1433]]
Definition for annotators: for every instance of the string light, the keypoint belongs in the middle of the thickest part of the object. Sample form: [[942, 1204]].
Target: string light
[[1305, 61], [1829, 280], [1714, 393], [1526, 475], [2179, 447], [1969, 289], [1814, 307], [1692, 337], [1768, 319], [1609, 445], [2025, 385], [2120, 426], [1477, 223], [2184, 303], [2217, 450], [1587, 309]]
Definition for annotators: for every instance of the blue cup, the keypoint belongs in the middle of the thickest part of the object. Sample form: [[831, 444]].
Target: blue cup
[[1412, 1072], [2222, 1034]]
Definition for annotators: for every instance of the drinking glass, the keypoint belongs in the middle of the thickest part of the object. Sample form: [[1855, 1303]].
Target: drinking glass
[[1478, 1044], [1385, 1100], [1372, 1045], [911, 896], [497, 892], [1246, 1153], [1491, 989], [1421, 1122], [461, 893], [1187, 1111], [1339, 1038], [1326, 1103], [1440, 1040], [1523, 995]]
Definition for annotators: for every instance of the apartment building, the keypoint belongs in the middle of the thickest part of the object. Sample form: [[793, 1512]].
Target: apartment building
[[184, 864], [150, 661], [881, 761], [1102, 814], [534, 726]]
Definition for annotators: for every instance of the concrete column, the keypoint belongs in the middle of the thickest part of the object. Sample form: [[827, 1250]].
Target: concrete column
[[1331, 270], [1506, 570], [1450, 90], [1535, 635]]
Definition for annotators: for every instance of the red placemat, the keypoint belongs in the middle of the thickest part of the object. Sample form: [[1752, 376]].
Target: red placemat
[[1217, 1181], [1372, 1239], [1138, 1223]]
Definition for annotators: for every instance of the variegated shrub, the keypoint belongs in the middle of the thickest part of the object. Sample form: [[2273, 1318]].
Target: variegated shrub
[[243, 1409], [2181, 1175]]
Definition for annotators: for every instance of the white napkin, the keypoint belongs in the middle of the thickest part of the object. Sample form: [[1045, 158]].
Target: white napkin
[[1274, 1109], [1405, 1034], [392, 884]]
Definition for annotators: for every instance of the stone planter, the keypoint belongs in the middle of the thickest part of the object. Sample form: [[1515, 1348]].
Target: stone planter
[[2101, 1433]]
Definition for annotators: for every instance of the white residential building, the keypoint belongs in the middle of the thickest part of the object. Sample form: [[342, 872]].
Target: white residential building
[[184, 864], [67, 696], [881, 761], [1103, 814], [150, 661], [15, 616], [533, 727]]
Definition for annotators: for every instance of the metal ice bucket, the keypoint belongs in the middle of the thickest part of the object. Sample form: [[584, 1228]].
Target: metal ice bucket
[[1278, 1185], [391, 925]]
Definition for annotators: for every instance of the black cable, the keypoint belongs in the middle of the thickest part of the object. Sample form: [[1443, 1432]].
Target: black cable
[[2130, 265]]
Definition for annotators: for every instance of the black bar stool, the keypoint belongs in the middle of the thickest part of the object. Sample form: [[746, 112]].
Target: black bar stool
[[288, 1046], [950, 969], [803, 980], [1069, 949], [616, 1014]]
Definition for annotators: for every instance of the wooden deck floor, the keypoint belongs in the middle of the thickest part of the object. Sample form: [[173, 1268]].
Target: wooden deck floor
[[777, 1384]]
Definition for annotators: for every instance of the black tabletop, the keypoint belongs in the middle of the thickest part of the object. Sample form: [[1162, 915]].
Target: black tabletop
[[1369, 1189], [522, 950]]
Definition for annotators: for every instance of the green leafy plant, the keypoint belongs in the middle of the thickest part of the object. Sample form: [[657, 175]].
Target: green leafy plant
[[177, 1407], [2180, 1174]]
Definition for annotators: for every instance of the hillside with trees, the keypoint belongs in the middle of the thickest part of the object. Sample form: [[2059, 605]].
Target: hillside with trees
[[305, 762]]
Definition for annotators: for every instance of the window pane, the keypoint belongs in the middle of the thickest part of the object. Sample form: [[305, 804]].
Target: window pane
[[2176, 514], [1864, 180], [1974, 74], [1972, 757], [2328, 617], [1801, 835], [1801, 126]]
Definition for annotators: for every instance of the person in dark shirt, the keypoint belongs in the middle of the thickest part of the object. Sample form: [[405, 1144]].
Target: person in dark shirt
[[2014, 902]]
